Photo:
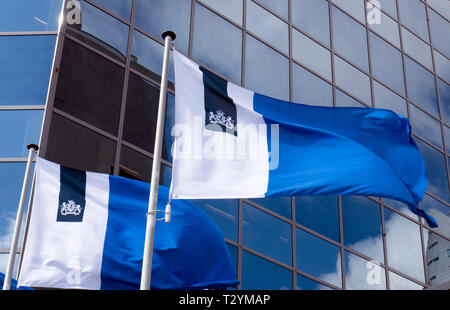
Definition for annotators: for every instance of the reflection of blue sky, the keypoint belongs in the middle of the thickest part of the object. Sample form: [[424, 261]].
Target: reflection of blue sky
[[25, 63], [18, 129], [362, 225], [11, 179], [319, 213], [218, 44], [266, 234], [316, 256], [150, 54], [435, 170], [104, 27], [280, 205], [119, 7], [29, 15], [224, 213], [258, 273], [157, 16]]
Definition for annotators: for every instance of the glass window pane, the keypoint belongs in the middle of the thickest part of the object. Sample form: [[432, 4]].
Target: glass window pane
[[266, 71], [389, 6], [224, 213], [28, 59], [310, 89], [259, 274], [386, 27], [437, 250], [231, 8], [352, 80], [361, 274], [234, 256], [439, 211], [403, 245], [74, 146], [311, 54], [217, 44], [147, 57], [354, 7], [412, 15], [444, 98], [304, 283], [447, 138], [120, 7], [399, 206], [141, 115], [387, 63], [397, 282], [442, 65], [11, 180], [312, 17], [90, 87], [266, 234], [267, 26], [421, 86], [440, 31], [102, 31], [25, 15], [278, 6], [280, 205], [417, 49], [425, 126], [436, 171], [134, 165], [157, 16], [386, 99], [4, 261], [441, 6], [344, 100], [319, 213], [362, 226], [350, 39], [18, 129], [318, 258]]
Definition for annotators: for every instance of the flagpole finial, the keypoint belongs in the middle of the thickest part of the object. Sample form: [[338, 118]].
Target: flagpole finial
[[33, 146], [169, 33]]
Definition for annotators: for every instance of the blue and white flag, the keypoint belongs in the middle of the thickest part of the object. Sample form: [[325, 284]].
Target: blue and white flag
[[233, 143], [87, 231]]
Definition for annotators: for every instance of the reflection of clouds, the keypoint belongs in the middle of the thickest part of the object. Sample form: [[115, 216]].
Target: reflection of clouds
[[5, 242], [5, 239], [404, 254]]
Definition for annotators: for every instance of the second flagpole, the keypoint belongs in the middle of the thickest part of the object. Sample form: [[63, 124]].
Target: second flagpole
[[168, 37]]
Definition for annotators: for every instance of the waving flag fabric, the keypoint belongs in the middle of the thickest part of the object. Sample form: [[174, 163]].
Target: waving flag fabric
[[87, 231], [233, 143]]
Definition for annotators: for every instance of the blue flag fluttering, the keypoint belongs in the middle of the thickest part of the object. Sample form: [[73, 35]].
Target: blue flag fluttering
[[302, 150], [87, 231]]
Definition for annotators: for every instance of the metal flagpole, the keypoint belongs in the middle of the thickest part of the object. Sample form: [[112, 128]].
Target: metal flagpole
[[15, 239], [168, 36]]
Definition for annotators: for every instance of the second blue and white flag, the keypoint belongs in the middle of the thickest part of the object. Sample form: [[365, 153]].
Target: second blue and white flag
[[233, 143]]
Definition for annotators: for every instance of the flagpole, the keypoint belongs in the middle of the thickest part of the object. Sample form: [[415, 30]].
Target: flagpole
[[15, 239], [168, 36]]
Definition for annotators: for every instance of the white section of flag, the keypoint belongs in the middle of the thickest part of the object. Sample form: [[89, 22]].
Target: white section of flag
[[64, 254], [209, 164]]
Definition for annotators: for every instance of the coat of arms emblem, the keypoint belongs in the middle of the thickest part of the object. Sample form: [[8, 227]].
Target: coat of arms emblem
[[219, 118], [70, 208]]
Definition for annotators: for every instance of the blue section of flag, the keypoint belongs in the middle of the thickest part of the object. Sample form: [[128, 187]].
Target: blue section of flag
[[189, 252], [344, 151], [13, 284]]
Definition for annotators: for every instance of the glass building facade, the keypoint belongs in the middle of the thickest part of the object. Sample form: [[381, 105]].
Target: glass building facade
[[87, 90]]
